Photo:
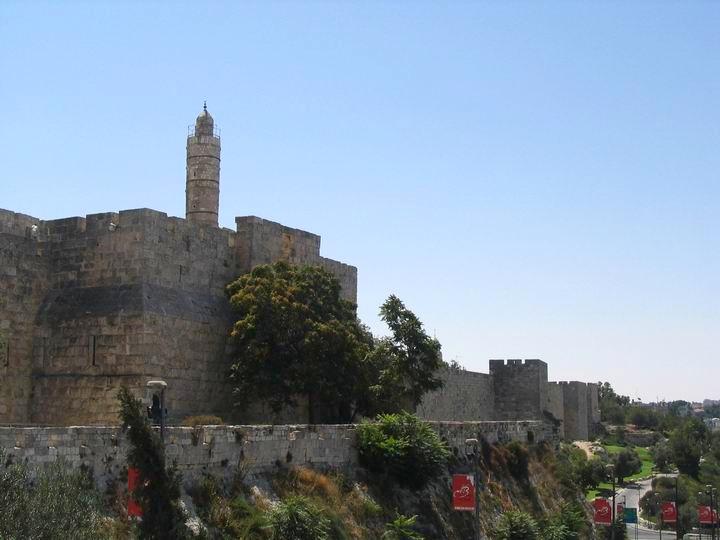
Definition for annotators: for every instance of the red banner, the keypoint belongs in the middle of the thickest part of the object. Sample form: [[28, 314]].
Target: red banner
[[133, 507], [463, 489], [603, 512], [668, 512], [705, 515]]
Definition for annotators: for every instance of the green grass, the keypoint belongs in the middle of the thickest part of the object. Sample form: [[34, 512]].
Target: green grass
[[605, 488]]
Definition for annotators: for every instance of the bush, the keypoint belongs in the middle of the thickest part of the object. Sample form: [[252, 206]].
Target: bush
[[402, 446], [516, 525], [518, 460], [401, 528], [202, 420], [299, 519], [58, 503]]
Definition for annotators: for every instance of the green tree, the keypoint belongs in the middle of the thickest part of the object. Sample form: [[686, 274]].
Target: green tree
[[405, 364], [612, 406], [515, 525], [626, 462], [662, 455], [295, 336], [159, 491], [47, 503], [643, 417], [687, 442]]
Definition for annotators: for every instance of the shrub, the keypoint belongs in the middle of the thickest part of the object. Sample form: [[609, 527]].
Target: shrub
[[202, 420], [58, 503], [298, 518], [516, 525], [401, 528], [556, 531], [402, 446], [518, 460]]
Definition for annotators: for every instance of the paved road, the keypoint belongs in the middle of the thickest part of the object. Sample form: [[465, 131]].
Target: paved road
[[631, 498], [646, 534]]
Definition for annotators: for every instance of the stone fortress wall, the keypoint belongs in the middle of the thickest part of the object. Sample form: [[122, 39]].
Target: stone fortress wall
[[515, 389], [88, 304], [92, 303], [225, 451]]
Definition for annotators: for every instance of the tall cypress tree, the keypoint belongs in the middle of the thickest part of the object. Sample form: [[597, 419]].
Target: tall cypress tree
[[159, 491]]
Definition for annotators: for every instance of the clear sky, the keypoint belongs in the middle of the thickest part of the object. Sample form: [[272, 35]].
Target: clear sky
[[534, 180]]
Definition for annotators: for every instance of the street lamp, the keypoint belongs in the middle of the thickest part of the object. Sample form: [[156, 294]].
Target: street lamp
[[160, 386], [476, 450], [712, 492], [611, 471], [660, 515]]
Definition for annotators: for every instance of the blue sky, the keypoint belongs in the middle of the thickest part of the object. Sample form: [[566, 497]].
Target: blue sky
[[534, 181]]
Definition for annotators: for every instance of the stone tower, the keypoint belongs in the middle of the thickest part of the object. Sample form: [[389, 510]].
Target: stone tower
[[202, 187]]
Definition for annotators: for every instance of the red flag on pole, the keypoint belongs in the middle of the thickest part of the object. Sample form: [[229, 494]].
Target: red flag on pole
[[133, 508], [463, 490], [705, 515], [669, 512], [603, 512]]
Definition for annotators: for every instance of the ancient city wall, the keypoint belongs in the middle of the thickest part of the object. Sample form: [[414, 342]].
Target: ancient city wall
[[90, 304], [576, 413], [520, 388], [262, 241], [228, 450], [556, 406], [23, 281], [465, 396]]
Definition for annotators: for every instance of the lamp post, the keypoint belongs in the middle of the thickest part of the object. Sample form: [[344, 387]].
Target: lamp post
[[476, 451], [611, 471], [677, 508], [160, 386], [712, 492], [660, 515]]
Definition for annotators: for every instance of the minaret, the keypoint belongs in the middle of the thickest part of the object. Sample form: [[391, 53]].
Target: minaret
[[202, 186]]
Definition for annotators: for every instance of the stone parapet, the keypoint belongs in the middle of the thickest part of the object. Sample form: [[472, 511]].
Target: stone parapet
[[226, 451]]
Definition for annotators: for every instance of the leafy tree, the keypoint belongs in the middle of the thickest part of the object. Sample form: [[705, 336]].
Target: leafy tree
[[662, 455], [403, 446], [51, 502], [515, 525], [295, 336], [627, 462], [405, 364], [680, 408], [687, 443], [612, 406], [643, 417], [159, 491]]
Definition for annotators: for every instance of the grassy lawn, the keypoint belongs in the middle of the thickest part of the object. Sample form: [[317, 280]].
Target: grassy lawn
[[605, 489]]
